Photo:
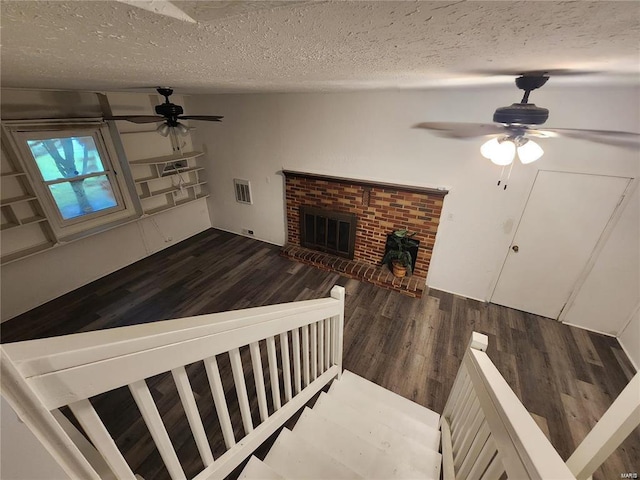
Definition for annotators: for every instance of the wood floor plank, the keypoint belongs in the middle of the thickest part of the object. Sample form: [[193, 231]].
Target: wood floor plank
[[565, 377]]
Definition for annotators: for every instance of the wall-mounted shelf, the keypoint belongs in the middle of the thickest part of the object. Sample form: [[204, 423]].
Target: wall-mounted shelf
[[167, 159], [26, 252], [12, 174], [155, 177], [22, 222], [162, 183], [20, 199], [25, 228]]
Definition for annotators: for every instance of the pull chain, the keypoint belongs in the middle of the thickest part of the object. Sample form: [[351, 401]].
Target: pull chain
[[508, 175], [501, 175]]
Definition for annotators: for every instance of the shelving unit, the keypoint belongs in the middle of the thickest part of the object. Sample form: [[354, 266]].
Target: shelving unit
[[25, 228], [162, 183], [166, 182]]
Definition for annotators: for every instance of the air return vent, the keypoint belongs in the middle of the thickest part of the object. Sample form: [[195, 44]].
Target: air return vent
[[243, 191]]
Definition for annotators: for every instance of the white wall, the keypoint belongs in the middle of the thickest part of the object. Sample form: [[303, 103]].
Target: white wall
[[611, 291], [32, 281], [23, 456], [368, 135]]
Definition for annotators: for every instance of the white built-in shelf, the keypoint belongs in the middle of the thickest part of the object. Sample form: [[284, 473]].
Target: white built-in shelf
[[150, 183], [187, 200], [13, 174], [16, 216], [167, 159], [179, 203], [155, 177], [23, 222], [19, 212], [27, 252], [129, 132], [14, 200]]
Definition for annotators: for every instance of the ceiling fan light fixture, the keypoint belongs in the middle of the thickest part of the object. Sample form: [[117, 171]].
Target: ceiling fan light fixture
[[499, 151], [163, 129], [181, 129], [529, 152]]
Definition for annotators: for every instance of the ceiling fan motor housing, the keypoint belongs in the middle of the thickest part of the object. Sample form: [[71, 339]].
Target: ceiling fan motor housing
[[169, 110], [521, 113]]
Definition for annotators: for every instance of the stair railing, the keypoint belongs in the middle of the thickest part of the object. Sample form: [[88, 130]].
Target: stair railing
[[41, 376], [617, 423], [487, 432]]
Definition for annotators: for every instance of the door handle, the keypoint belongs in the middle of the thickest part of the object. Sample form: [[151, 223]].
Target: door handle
[[515, 248]]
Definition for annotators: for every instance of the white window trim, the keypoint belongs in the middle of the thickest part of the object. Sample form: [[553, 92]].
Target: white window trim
[[18, 132]]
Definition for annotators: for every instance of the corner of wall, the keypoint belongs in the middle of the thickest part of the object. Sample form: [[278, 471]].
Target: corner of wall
[[629, 338]]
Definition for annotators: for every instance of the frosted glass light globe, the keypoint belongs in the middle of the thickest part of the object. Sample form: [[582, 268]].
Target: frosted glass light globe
[[499, 152], [530, 152]]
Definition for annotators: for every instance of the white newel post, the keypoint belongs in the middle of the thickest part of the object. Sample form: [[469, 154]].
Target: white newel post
[[338, 293], [42, 422]]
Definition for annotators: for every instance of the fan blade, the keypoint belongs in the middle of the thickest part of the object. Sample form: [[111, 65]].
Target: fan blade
[[161, 8], [207, 118], [463, 130], [553, 72], [138, 118], [606, 137]]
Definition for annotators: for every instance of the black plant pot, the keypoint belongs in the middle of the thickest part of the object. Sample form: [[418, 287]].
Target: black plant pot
[[412, 250]]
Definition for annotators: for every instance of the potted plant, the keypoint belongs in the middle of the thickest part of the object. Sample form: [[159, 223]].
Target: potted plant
[[398, 252]]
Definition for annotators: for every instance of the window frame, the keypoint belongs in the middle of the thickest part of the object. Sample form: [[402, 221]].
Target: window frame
[[19, 132]]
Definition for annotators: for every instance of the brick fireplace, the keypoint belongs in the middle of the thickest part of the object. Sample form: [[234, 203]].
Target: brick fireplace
[[379, 208]]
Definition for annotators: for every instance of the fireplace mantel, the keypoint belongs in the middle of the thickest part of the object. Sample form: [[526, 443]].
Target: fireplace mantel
[[366, 183]]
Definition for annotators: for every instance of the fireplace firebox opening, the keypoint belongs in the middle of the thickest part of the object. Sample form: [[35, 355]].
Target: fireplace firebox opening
[[326, 231]]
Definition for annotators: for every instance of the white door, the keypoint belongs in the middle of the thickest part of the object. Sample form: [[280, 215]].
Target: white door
[[564, 217]]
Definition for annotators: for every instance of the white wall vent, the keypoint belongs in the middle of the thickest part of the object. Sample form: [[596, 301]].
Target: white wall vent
[[243, 191]]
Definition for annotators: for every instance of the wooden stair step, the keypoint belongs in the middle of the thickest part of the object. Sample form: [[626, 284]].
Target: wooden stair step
[[382, 395], [258, 470], [379, 412], [356, 453], [292, 457], [423, 452]]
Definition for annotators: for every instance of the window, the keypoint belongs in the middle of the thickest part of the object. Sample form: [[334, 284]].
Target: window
[[75, 172]]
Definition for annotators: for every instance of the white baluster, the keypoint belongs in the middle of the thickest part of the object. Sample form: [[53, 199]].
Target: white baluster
[[101, 439], [220, 401], [261, 392], [297, 376], [314, 350], [193, 415], [286, 365], [320, 328], [241, 389], [273, 372], [305, 354], [149, 411], [327, 343]]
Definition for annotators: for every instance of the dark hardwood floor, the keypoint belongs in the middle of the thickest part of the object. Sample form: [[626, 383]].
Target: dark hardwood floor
[[566, 377]]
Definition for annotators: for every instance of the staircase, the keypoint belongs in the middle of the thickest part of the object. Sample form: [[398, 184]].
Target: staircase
[[357, 430]]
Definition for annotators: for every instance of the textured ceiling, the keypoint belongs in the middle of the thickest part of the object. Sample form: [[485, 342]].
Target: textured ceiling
[[238, 46]]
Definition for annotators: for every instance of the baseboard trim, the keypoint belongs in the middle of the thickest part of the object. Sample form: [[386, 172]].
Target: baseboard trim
[[456, 293], [589, 329], [631, 361], [248, 236]]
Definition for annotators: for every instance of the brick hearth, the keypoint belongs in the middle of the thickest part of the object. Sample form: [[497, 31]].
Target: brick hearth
[[379, 275], [380, 209]]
